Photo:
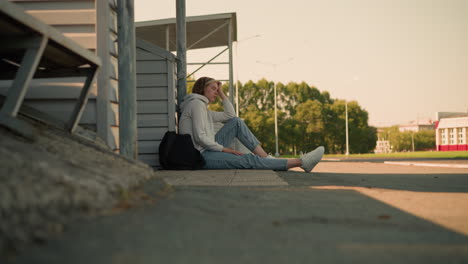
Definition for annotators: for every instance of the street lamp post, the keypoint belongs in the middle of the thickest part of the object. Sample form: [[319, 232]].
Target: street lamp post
[[237, 71], [276, 121], [275, 101], [355, 78], [347, 130]]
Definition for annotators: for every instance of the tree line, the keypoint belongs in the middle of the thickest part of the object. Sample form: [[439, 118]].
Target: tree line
[[307, 118], [408, 140]]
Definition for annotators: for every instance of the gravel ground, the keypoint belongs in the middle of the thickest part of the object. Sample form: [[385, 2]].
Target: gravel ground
[[48, 182]]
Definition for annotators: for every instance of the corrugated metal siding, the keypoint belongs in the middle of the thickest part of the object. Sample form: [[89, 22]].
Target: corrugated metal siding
[[155, 99]]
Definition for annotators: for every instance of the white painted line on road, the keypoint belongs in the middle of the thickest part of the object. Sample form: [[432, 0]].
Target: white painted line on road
[[442, 165]]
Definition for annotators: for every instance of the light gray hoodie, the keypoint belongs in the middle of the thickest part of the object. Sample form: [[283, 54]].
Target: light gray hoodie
[[197, 120]]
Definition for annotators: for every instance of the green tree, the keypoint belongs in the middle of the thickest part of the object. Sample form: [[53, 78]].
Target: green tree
[[262, 125], [335, 125], [403, 141], [307, 118], [398, 140], [425, 140], [362, 137]]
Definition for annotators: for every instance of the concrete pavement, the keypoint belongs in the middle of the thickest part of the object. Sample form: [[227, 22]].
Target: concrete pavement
[[344, 212], [227, 178]]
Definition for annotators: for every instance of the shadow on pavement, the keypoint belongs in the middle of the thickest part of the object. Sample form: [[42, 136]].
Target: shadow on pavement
[[303, 222], [414, 182], [241, 225], [259, 225]]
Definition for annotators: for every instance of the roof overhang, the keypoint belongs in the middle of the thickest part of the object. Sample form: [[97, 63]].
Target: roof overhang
[[202, 31]]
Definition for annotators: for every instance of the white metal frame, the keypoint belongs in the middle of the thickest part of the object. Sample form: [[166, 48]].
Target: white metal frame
[[209, 39], [229, 49]]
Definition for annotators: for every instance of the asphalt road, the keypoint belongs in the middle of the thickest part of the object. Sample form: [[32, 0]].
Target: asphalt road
[[342, 213]]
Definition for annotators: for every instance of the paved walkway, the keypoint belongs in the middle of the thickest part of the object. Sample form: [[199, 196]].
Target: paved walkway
[[228, 178], [344, 212], [270, 178]]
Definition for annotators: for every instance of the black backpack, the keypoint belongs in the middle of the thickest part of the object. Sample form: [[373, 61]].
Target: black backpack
[[176, 152]]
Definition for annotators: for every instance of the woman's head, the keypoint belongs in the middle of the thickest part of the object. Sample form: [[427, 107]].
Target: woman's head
[[208, 87]]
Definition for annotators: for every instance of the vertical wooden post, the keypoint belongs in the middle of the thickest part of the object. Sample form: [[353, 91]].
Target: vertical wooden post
[[168, 35], [181, 52], [102, 79], [127, 78], [171, 106]]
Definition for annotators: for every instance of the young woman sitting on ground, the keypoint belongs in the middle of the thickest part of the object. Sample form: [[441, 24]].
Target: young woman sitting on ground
[[197, 121]]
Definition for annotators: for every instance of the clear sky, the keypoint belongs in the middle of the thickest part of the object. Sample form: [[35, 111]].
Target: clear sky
[[400, 59]]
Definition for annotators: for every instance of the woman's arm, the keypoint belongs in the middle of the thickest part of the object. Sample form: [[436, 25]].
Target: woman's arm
[[229, 111], [199, 127]]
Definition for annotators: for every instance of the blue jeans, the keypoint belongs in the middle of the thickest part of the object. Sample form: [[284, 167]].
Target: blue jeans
[[236, 128]]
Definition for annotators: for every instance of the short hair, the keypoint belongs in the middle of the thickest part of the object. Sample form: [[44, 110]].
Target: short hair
[[200, 84]]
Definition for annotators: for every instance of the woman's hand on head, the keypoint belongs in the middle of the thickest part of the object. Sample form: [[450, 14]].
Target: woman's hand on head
[[220, 91], [232, 151]]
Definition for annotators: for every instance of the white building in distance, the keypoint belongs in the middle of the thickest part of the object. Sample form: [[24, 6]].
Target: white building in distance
[[451, 131]]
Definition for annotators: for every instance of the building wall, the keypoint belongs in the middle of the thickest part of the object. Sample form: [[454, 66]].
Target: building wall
[[156, 99], [452, 139], [108, 87], [93, 25], [383, 146]]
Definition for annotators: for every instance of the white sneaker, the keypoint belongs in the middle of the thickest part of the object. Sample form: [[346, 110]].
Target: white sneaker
[[309, 160]]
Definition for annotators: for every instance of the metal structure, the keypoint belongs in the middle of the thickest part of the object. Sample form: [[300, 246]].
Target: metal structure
[[217, 30], [92, 25], [347, 129], [30, 49], [276, 122]]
